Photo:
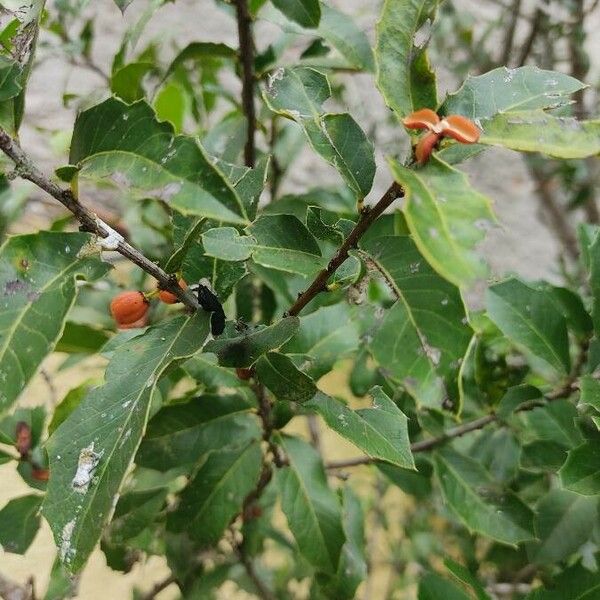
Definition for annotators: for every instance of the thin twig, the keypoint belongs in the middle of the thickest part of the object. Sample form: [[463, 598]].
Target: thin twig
[[159, 587], [261, 587], [509, 34], [89, 221], [314, 432], [367, 217], [244, 22], [539, 18], [562, 391]]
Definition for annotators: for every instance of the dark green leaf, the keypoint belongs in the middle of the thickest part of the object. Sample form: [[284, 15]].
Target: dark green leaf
[[529, 318], [200, 51], [480, 504], [10, 76], [425, 335], [37, 279], [574, 583], [554, 422], [90, 453], [227, 244], [284, 379], [306, 13], [563, 522], [181, 434], [434, 587], [581, 472], [284, 243], [515, 397], [380, 431], [244, 348], [126, 82], [590, 391], [404, 76], [416, 483], [216, 493], [313, 511], [465, 576], [134, 513], [67, 405], [19, 522], [326, 336]]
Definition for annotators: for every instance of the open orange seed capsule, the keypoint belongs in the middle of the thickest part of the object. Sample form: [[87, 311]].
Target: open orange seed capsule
[[421, 119], [460, 128], [425, 147]]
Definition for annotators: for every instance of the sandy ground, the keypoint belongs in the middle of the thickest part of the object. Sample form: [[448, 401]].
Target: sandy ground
[[521, 244]]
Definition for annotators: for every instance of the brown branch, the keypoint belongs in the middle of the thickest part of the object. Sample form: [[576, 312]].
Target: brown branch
[[368, 215], [539, 19], [89, 221], [261, 587], [244, 22], [159, 587], [509, 34]]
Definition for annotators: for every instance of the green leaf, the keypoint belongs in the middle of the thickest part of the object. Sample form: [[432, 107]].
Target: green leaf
[[446, 217], [416, 483], [590, 391], [181, 434], [284, 379], [227, 244], [10, 75], [170, 104], [425, 335], [306, 13], [312, 509], [353, 566], [90, 453], [554, 422], [381, 431], [38, 278], [404, 75], [339, 30], [574, 583], [592, 252], [326, 336], [284, 243], [216, 494], [434, 587], [67, 405], [465, 576], [19, 523], [245, 348], [515, 397], [478, 502], [148, 159], [529, 318], [201, 51], [581, 471], [78, 338], [563, 522], [298, 94], [126, 82], [537, 131], [508, 90], [135, 511]]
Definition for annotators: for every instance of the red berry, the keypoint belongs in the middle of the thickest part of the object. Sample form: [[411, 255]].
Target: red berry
[[129, 308]]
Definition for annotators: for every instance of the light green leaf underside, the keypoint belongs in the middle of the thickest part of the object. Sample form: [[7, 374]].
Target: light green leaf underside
[[446, 217], [147, 158]]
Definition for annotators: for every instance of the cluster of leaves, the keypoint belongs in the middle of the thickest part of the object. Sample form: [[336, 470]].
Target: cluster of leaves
[[189, 447]]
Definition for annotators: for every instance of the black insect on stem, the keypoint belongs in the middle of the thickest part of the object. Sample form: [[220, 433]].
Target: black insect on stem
[[210, 303]]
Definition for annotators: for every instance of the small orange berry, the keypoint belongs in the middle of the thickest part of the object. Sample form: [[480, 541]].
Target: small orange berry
[[425, 147], [421, 119], [460, 128], [128, 308], [168, 297]]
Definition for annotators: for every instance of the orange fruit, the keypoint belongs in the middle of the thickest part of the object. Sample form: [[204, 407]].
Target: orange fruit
[[128, 308], [168, 297], [421, 119], [425, 147], [460, 128]]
